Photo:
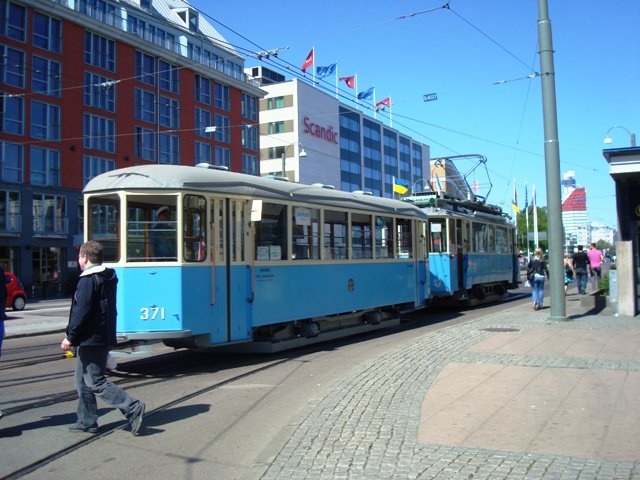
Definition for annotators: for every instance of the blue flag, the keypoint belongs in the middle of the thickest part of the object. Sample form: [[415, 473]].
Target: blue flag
[[326, 71], [366, 94]]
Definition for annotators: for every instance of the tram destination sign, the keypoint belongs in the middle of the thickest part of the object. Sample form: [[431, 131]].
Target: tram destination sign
[[430, 97]]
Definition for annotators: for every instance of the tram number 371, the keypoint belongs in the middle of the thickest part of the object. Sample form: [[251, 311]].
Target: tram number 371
[[152, 313]]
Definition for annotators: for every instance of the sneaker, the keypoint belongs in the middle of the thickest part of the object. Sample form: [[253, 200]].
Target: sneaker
[[136, 420], [76, 427]]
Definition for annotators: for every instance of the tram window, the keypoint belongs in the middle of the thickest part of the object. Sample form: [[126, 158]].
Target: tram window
[[361, 236], [151, 232], [271, 233], [306, 233], [482, 237], [405, 238], [103, 225], [195, 233], [502, 240], [438, 230], [384, 237], [163, 234], [335, 235]]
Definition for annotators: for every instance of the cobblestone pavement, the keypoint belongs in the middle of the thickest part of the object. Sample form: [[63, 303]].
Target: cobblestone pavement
[[367, 428]]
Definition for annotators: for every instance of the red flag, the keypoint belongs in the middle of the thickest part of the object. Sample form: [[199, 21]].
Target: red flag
[[350, 81], [308, 62], [384, 102]]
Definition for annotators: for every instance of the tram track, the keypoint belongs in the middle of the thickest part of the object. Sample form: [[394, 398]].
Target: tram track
[[182, 399]]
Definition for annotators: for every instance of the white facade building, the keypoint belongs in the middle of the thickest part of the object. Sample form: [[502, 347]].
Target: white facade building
[[340, 145]]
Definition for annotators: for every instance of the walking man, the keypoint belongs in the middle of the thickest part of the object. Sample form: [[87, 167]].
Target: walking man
[[580, 261], [92, 328]]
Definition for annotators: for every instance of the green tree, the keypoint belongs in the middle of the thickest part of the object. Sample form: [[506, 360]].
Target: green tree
[[522, 228]]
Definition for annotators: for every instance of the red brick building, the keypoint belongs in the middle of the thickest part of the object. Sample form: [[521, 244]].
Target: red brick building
[[89, 86]]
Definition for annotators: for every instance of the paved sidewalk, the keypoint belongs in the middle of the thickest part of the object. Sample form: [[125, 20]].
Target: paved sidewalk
[[38, 318], [512, 396]]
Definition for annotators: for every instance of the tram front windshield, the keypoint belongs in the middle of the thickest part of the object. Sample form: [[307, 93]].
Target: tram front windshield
[[152, 228]]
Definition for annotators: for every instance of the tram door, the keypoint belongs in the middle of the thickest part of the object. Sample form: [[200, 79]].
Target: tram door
[[461, 250], [232, 289]]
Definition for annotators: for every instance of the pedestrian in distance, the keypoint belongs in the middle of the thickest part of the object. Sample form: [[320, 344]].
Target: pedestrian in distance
[[92, 329], [537, 271], [595, 261], [580, 263], [568, 273]]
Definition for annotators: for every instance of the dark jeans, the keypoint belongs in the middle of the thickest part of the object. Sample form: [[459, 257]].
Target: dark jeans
[[91, 382], [581, 280]]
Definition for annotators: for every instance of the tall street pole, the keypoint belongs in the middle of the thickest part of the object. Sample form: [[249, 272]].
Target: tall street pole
[[552, 165]]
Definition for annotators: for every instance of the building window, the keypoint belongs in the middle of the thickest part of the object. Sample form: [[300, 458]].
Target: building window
[[12, 67], [169, 149], [11, 162], [202, 121], [275, 103], [168, 77], [202, 89], [100, 10], [12, 112], [45, 121], [221, 100], [145, 143], [45, 166], [202, 153], [46, 76], [145, 108], [169, 112], [222, 156], [136, 26], [249, 164], [99, 92], [49, 214], [94, 166], [250, 137], [222, 128], [99, 51], [249, 107], [10, 218], [13, 20], [47, 32], [99, 133], [276, 127], [145, 68]]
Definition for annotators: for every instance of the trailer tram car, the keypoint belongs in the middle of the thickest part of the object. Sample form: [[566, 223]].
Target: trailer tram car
[[250, 259], [472, 257]]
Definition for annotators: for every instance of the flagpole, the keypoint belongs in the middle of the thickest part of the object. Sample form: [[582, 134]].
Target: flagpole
[[526, 216], [390, 113], [336, 78], [356, 93], [535, 219], [313, 66], [375, 112]]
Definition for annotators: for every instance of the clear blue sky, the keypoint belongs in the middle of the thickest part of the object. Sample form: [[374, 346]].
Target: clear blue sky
[[459, 53]]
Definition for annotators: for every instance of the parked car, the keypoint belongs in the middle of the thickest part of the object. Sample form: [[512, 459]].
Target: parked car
[[16, 296]]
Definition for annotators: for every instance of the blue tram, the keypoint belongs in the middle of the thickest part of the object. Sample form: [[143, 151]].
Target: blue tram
[[471, 249], [212, 258]]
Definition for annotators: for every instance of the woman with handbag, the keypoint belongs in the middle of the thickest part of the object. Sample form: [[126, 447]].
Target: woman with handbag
[[536, 272]]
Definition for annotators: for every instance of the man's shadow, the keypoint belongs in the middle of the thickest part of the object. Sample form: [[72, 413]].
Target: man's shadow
[[151, 419]]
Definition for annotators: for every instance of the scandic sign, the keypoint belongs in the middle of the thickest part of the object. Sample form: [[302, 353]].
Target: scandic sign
[[326, 133]]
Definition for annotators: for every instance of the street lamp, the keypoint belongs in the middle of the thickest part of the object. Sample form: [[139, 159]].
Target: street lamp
[[302, 153], [632, 136]]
